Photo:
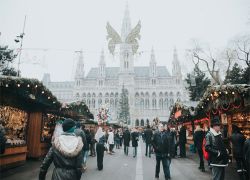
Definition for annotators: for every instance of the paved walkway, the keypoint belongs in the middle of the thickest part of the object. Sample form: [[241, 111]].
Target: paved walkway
[[123, 167]]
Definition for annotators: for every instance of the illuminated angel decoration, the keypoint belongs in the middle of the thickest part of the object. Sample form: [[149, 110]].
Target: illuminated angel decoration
[[114, 38]]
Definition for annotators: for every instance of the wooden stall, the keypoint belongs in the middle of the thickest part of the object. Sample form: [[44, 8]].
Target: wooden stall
[[22, 105], [231, 103]]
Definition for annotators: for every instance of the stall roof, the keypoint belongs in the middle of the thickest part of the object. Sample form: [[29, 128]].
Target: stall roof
[[27, 94]]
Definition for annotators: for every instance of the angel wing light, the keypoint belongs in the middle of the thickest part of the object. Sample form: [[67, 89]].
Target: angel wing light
[[134, 36], [113, 37]]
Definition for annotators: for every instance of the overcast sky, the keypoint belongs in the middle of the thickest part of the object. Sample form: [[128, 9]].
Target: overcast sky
[[56, 29]]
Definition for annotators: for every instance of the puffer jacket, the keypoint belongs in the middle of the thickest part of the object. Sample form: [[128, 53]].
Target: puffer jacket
[[66, 155], [238, 141], [218, 155], [161, 144]]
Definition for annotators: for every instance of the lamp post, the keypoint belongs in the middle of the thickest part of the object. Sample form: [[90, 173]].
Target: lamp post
[[21, 36]]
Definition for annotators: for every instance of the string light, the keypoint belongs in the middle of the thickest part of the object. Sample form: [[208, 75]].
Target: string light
[[42, 92], [48, 97], [226, 92], [28, 85], [18, 85], [36, 86], [232, 92], [6, 85]]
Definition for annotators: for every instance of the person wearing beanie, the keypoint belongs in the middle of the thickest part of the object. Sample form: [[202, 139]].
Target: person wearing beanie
[[218, 154], [66, 155]]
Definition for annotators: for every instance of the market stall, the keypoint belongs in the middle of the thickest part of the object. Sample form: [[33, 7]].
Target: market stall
[[231, 103], [23, 104]]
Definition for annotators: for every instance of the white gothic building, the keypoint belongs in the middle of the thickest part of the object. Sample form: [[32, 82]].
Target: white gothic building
[[152, 89]]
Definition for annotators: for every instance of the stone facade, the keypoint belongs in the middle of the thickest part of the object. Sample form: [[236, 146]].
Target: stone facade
[[152, 89]]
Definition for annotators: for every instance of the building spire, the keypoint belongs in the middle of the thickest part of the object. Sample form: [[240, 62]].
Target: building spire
[[152, 60], [102, 65], [102, 58], [176, 71], [126, 23], [80, 66]]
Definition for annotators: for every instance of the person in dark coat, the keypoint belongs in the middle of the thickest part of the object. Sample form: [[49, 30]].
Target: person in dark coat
[[135, 139], [86, 148], [66, 154], [93, 142], [182, 141], [238, 141], [199, 136], [148, 134], [161, 147], [100, 138], [2, 140], [126, 140], [218, 153], [247, 156]]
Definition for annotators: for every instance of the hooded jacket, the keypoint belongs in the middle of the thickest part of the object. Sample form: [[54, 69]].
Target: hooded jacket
[[215, 147], [66, 155]]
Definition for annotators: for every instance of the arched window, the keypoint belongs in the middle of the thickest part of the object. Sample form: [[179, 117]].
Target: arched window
[[142, 103], [88, 103], [147, 121], [161, 103], [112, 103], [137, 100], [93, 103], [99, 102], [142, 122], [106, 101], [147, 100], [137, 122], [116, 102]]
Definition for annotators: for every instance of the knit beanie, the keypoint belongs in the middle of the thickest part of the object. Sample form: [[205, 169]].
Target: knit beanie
[[68, 124]]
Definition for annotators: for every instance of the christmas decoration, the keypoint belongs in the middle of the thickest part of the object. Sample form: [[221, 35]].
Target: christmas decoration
[[14, 121], [103, 115]]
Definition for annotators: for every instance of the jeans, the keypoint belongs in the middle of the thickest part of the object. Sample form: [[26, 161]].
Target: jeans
[[200, 152], [148, 149], [218, 173], [85, 156], [134, 151], [126, 150], [166, 161]]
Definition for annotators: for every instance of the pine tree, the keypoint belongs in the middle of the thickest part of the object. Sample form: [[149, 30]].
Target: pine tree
[[246, 75], [198, 83], [235, 75], [6, 59], [124, 115]]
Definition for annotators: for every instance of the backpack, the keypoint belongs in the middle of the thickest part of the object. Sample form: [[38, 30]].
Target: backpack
[[205, 153]]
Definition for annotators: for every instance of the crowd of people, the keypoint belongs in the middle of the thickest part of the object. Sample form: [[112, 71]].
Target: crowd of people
[[75, 143]]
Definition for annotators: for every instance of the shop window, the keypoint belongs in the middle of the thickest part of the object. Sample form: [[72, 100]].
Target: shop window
[[14, 122]]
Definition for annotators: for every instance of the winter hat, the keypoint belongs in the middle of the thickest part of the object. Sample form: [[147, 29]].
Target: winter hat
[[215, 121], [68, 124]]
